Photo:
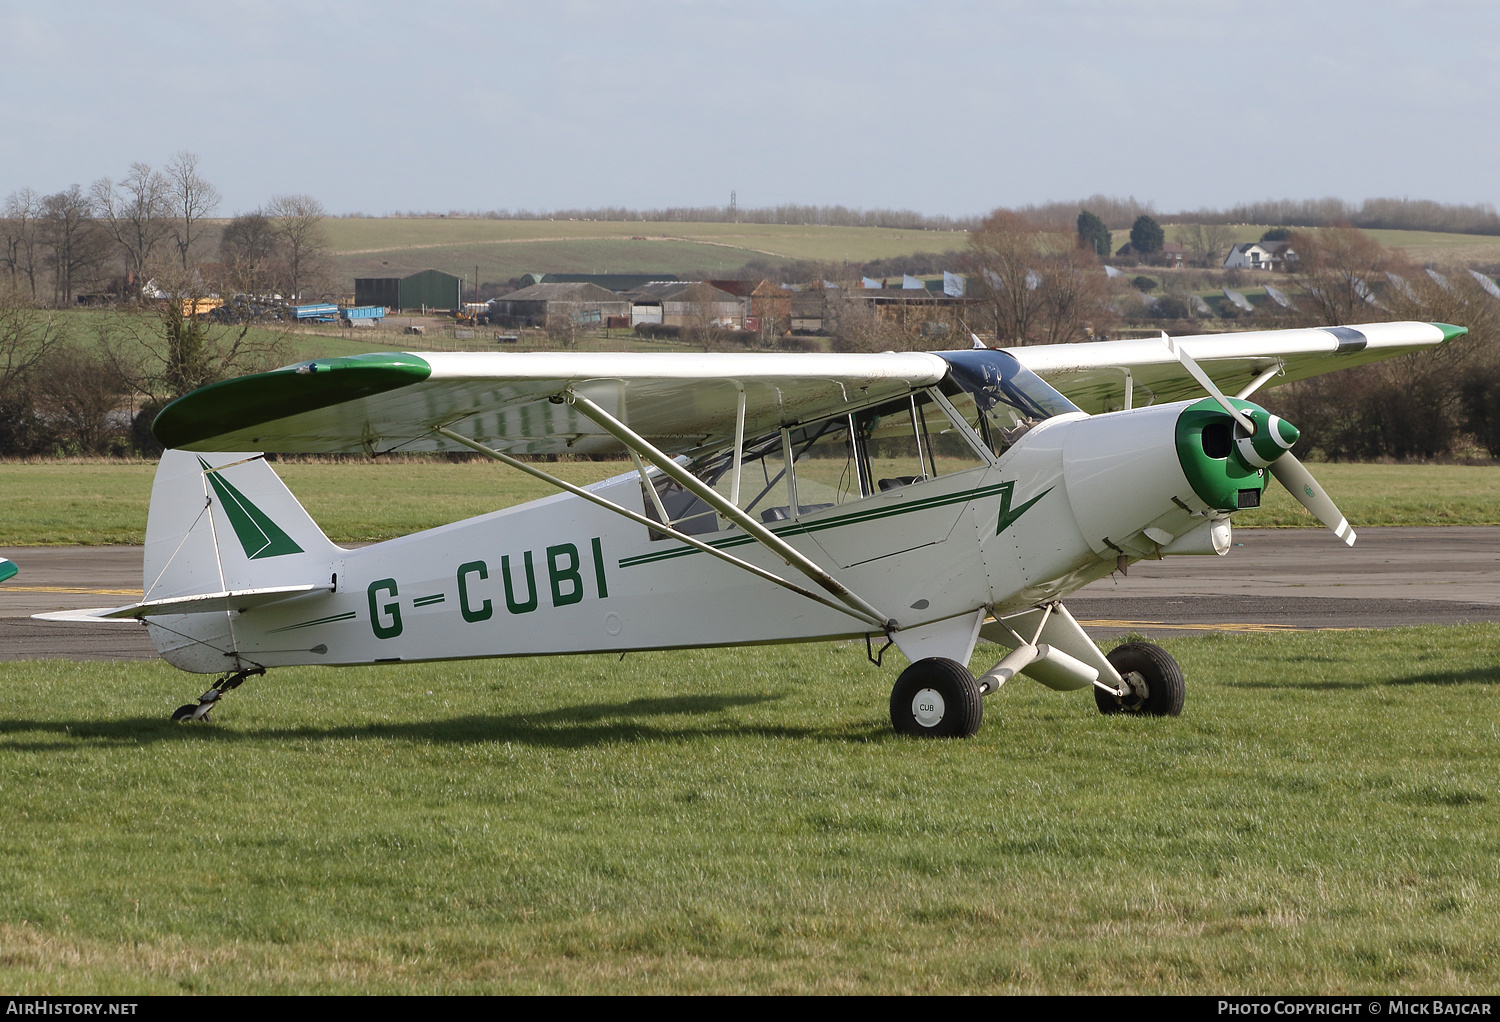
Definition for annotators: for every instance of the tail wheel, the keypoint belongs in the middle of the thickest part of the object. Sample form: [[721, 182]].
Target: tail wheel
[[936, 698], [1153, 677]]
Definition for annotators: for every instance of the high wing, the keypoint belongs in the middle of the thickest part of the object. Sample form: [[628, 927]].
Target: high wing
[[520, 403], [396, 401], [1093, 376]]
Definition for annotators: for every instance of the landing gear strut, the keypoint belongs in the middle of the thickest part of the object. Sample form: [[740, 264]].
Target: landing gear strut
[[208, 700]]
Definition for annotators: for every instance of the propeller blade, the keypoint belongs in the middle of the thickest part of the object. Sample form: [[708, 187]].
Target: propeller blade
[[1207, 383], [1291, 473]]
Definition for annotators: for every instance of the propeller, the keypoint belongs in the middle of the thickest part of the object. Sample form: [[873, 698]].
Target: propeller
[[1264, 441]]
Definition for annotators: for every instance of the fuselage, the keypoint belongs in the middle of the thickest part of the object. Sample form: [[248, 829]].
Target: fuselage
[[1052, 512]]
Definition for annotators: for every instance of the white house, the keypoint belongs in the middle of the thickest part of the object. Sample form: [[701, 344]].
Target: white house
[[1260, 255]]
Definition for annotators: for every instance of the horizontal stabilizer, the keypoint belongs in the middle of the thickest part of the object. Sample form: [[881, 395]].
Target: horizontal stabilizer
[[203, 603]]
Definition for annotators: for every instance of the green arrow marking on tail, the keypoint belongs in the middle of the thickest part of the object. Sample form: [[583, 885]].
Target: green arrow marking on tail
[[260, 536], [1007, 516]]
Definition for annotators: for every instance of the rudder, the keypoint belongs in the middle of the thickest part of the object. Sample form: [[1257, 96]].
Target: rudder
[[221, 521]]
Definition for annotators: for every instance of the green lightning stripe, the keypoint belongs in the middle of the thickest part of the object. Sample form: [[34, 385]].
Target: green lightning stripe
[[1007, 516], [868, 515], [260, 536]]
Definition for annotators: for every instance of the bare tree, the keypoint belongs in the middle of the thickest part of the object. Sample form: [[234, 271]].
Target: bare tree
[[192, 198], [1075, 296], [858, 324], [28, 337], [1005, 256], [20, 234], [76, 243], [1339, 267], [135, 212], [79, 394], [299, 224], [1033, 282], [164, 355], [562, 326], [248, 248], [1207, 243]]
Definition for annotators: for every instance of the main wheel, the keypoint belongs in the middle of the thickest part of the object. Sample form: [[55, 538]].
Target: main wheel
[[936, 698], [1153, 677]]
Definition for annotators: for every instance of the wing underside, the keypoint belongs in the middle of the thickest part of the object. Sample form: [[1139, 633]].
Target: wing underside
[[514, 402], [517, 402]]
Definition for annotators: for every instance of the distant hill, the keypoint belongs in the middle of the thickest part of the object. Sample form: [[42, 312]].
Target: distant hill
[[505, 249]]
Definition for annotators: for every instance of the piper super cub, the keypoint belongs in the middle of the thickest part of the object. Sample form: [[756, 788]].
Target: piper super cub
[[925, 500]]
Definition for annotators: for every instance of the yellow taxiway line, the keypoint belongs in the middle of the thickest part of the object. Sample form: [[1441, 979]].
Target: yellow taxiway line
[[1227, 626], [70, 589]]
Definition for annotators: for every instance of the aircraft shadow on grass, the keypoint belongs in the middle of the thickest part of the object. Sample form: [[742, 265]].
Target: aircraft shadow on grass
[[1473, 676], [637, 720]]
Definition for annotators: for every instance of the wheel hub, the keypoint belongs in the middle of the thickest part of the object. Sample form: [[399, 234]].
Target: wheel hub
[[1139, 691], [927, 707]]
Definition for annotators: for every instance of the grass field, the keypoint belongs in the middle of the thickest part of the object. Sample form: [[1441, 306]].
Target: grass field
[[103, 502], [1321, 819], [503, 249]]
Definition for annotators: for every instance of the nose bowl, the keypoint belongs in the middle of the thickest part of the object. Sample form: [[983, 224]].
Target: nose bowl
[[1225, 469]]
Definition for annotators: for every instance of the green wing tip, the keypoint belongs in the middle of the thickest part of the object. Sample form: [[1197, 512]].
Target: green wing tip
[[8, 569], [248, 401], [1450, 331]]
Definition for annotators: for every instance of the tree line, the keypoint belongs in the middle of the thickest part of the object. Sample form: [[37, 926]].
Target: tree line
[[115, 236], [140, 243]]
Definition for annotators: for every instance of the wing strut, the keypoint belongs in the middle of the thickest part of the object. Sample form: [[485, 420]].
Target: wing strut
[[625, 512], [764, 536]]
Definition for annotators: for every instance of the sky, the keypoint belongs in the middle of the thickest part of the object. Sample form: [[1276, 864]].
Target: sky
[[947, 108]]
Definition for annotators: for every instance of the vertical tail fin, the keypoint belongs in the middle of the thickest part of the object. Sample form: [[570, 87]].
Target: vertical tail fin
[[227, 522]]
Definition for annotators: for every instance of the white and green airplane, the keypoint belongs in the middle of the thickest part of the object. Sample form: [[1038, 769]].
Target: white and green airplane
[[925, 500]]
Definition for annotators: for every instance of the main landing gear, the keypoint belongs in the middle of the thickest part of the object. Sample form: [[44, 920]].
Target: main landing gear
[[208, 700], [939, 698]]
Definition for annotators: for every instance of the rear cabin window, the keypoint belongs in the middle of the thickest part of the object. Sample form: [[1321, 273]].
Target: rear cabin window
[[835, 461], [762, 485]]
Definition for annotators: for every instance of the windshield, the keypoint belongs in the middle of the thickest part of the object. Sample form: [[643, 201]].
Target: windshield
[[1000, 397]]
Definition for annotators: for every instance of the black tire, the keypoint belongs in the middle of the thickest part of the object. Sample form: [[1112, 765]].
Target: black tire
[[184, 711], [1151, 667], [956, 713]]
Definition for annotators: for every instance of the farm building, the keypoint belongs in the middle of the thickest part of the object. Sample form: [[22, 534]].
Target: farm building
[[766, 304], [817, 310], [425, 289], [619, 282], [584, 303], [686, 304]]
